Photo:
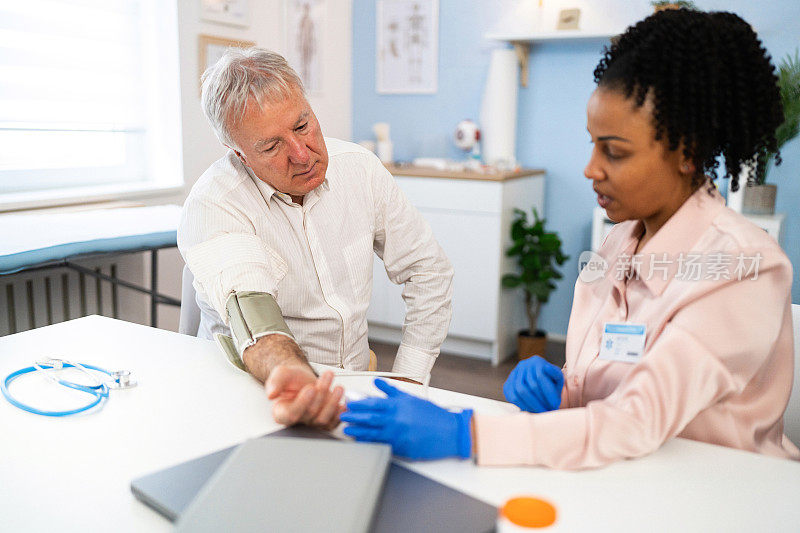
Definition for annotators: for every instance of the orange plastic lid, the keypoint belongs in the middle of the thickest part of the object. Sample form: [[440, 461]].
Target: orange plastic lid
[[529, 512]]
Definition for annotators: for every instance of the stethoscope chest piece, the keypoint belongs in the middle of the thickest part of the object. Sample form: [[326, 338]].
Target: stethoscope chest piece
[[122, 379]]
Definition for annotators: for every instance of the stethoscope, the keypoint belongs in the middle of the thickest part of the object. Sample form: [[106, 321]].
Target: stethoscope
[[120, 379]]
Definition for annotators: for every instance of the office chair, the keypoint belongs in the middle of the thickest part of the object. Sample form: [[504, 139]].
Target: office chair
[[190, 313], [791, 418]]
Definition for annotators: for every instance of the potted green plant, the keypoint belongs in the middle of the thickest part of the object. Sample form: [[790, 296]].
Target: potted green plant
[[661, 5], [759, 196], [537, 252]]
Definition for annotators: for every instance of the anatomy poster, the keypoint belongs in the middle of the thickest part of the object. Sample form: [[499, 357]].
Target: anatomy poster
[[408, 46], [305, 21]]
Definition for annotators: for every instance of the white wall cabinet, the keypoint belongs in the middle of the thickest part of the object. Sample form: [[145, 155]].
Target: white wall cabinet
[[470, 215]]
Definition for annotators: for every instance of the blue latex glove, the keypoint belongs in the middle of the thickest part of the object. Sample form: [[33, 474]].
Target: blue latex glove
[[534, 385], [415, 428]]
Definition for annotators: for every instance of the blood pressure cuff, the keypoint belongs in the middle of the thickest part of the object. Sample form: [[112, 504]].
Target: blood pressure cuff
[[251, 315]]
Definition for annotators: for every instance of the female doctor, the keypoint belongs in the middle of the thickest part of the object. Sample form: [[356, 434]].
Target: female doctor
[[688, 331]]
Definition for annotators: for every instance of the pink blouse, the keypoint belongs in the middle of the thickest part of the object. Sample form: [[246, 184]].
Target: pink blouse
[[713, 291]]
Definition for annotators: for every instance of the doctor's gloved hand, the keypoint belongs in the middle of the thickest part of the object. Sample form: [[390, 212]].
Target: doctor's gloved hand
[[415, 428], [534, 385]]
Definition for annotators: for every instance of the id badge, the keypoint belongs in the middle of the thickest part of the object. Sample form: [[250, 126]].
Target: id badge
[[623, 342]]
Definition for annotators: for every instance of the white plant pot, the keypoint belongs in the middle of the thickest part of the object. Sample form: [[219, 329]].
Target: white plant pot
[[759, 199], [753, 199]]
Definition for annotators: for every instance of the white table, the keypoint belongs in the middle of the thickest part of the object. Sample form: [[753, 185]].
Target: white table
[[73, 474]]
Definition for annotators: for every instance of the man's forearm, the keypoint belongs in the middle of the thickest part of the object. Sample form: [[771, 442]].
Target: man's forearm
[[270, 352]]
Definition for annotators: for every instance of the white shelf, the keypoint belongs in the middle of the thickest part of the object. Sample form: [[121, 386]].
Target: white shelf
[[551, 36], [523, 41]]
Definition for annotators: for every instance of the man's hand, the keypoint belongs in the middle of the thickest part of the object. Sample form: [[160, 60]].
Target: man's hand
[[302, 398]]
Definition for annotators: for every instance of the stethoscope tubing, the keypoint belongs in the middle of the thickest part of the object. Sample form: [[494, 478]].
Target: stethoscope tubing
[[100, 392]]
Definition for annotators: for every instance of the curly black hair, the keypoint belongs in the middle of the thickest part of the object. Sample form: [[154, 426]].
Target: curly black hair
[[712, 83]]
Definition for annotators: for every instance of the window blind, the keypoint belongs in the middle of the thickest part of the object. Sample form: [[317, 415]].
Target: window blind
[[72, 104]]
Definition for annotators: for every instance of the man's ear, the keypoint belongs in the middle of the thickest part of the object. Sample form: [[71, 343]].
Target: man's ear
[[239, 155]]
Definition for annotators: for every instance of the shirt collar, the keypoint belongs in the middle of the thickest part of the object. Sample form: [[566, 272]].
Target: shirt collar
[[619, 262], [268, 191], [657, 262]]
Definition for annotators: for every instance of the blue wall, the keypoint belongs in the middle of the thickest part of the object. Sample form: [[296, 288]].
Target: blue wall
[[551, 127]]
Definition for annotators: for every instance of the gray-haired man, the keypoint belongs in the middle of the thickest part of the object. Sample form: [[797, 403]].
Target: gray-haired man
[[280, 235]]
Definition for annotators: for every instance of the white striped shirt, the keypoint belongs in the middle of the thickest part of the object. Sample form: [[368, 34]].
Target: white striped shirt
[[238, 233]]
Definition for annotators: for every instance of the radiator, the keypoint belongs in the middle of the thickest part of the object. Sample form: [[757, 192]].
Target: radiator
[[36, 299]]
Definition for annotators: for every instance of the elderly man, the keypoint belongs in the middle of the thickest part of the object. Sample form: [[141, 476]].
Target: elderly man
[[280, 232]]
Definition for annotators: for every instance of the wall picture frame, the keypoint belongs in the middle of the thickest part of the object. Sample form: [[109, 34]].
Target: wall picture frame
[[210, 48], [569, 19], [407, 48], [231, 12]]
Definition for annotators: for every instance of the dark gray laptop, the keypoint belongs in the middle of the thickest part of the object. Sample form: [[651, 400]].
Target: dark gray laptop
[[410, 501]]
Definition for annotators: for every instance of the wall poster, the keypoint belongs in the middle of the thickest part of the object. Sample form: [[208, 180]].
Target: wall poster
[[305, 22], [407, 46]]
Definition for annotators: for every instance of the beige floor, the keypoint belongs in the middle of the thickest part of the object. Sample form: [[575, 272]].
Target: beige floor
[[464, 374]]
